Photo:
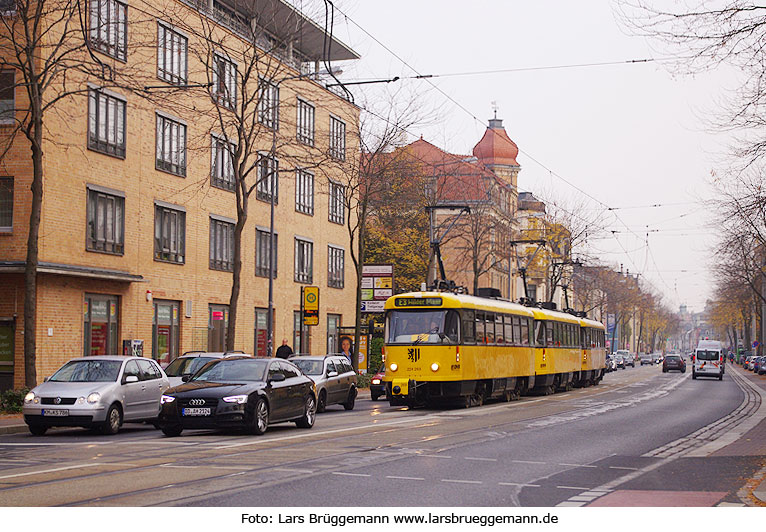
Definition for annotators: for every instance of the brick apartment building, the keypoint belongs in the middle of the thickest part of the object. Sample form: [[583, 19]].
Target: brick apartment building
[[139, 203]]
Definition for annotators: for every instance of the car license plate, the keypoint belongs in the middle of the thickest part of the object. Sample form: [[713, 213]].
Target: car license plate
[[55, 413], [196, 412]]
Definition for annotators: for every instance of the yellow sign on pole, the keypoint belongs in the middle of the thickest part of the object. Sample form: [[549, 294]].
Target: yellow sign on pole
[[310, 305]]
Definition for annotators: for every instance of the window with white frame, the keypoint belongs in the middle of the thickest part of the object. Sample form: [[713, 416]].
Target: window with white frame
[[304, 192], [171, 145], [262, 244], [106, 222], [171, 55], [335, 266], [305, 122], [221, 164], [337, 139], [304, 260], [337, 209], [6, 204], [169, 233], [106, 123], [7, 97], [224, 81], [109, 27], [268, 178], [221, 244], [268, 104]]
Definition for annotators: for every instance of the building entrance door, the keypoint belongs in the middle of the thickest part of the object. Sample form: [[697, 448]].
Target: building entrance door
[[7, 329], [218, 322]]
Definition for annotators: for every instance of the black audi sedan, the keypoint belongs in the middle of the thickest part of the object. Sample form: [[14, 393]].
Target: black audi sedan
[[239, 392]]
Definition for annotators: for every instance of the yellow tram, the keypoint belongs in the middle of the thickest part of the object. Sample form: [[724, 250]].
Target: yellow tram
[[442, 347]]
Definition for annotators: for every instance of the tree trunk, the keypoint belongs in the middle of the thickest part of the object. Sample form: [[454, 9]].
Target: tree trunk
[[236, 275]]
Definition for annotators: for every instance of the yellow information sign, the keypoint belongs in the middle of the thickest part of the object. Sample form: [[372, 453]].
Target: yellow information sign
[[310, 305]]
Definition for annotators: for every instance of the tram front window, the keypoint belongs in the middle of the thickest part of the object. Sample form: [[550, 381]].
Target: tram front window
[[422, 327]]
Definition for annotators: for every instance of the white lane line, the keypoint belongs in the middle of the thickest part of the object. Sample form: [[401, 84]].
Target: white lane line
[[434, 456], [454, 481], [519, 484], [341, 473], [479, 459], [579, 465], [626, 468], [572, 488], [527, 462], [581, 498], [393, 477], [40, 472], [291, 470]]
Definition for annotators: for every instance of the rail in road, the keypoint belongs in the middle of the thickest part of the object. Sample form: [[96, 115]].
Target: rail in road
[[493, 447]]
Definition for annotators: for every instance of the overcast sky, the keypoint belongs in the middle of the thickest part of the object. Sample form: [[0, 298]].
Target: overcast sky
[[629, 135]]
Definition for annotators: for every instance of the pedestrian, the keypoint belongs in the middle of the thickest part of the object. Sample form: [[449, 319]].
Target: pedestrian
[[284, 350]]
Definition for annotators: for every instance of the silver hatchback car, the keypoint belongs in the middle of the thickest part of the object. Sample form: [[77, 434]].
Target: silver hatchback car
[[98, 392], [334, 377]]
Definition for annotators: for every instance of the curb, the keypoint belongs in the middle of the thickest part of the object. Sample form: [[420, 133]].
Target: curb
[[13, 429]]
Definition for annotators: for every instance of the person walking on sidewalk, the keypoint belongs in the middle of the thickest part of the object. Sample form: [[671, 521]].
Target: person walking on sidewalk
[[284, 350]]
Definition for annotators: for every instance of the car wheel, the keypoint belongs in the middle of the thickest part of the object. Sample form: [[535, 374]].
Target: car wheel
[[38, 430], [172, 432], [322, 404], [349, 404], [260, 420], [309, 413], [111, 424], [374, 396]]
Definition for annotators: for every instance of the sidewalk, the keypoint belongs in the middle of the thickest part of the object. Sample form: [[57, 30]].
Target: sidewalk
[[12, 424]]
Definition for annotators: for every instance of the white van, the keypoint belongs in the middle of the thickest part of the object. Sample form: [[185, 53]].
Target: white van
[[708, 360]]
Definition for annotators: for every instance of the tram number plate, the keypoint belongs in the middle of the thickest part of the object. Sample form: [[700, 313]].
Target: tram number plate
[[196, 412], [55, 413]]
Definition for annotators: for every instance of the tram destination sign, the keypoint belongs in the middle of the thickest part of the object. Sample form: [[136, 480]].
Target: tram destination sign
[[418, 302]]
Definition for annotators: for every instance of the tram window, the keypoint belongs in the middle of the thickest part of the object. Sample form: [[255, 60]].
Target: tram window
[[469, 335], [451, 325], [508, 328], [549, 337], [480, 338], [571, 339], [539, 333], [499, 331], [526, 327], [490, 330], [517, 330]]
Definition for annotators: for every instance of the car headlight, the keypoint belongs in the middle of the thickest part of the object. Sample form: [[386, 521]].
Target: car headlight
[[239, 399], [167, 399], [376, 381], [30, 397], [434, 367], [394, 366], [94, 398]]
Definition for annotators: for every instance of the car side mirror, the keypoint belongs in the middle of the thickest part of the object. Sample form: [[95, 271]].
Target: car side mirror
[[45, 379], [332, 373], [277, 377], [130, 378], [185, 378]]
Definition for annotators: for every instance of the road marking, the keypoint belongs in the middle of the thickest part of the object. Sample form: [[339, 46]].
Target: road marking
[[434, 455], [579, 465], [571, 503], [291, 470], [527, 462], [477, 458], [572, 488], [461, 481], [518, 484], [50, 470], [581, 498], [343, 474], [730, 504], [620, 467], [404, 478]]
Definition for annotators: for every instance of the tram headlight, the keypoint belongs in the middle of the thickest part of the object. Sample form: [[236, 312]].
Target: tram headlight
[[434, 367], [394, 366]]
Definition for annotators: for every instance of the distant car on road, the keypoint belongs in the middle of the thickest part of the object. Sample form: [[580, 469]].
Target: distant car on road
[[646, 359], [377, 386], [619, 360], [758, 364], [98, 392], [334, 377], [627, 357], [673, 362]]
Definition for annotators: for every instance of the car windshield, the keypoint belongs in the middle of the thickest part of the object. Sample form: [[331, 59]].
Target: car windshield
[[232, 371], [707, 355], [88, 371], [309, 367], [186, 366]]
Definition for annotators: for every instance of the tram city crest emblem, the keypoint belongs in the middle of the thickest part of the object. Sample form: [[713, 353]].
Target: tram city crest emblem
[[413, 354]]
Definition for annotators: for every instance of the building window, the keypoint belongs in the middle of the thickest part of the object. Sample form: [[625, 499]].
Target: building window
[[169, 234], [304, 261], [165, 331], [333, 333], [221, 164], [224, 81], [106, 123], [337, 203], [261, 332], [109, 28], [171, 146], [7, 8], [221, 245], [106, 222], [305, 122], [6, 204], [304, 192], [337, 139], [262, 253], [268, 178], [268, 104], [101, 315], [171, 55], [7, 97], [336, 266]]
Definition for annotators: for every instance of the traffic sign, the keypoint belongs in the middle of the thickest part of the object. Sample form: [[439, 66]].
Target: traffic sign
[[311, 305]]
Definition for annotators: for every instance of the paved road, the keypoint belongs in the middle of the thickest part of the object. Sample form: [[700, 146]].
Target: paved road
[[640, 437]]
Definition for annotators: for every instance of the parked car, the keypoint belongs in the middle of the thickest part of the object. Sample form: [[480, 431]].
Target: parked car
[[619, 360], [97, 392], [673, 362], [757, 364], [334, 377], [628, 358], [377, 386], [191, 361], [646, 359], [240, 392], [762, 368], [748, 363]]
